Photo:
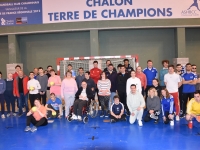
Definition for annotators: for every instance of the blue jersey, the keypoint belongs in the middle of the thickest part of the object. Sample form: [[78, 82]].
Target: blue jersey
[[188, 88], [150, 74], [55, 104], [167, 104], [116, 109]]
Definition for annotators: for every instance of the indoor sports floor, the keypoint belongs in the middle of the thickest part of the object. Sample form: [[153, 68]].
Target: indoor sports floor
[[97, 135]]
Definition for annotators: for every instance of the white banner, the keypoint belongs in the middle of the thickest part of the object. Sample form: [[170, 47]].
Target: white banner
[[55, 11]]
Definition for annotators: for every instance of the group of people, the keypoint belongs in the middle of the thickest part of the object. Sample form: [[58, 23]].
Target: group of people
[[121, 92]]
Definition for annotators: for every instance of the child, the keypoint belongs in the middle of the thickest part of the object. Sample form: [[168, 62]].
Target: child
[[117, 111]]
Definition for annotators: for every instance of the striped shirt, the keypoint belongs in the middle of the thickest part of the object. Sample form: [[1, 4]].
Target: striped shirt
[[104, 85]]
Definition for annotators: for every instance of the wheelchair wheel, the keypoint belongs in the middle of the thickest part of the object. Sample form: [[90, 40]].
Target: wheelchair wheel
[[69, 118], [85, 119], [93, 109]]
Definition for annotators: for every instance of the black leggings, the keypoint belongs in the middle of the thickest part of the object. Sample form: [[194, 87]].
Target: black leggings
[[148, 118], [43, 98], [104, 100], [116, 119], [32, 98], [30, 119], [186, 96], [49, 112], [78, 106], [122, 96]]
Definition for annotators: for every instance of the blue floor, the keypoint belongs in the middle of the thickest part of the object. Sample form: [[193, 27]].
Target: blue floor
[[97, 135]]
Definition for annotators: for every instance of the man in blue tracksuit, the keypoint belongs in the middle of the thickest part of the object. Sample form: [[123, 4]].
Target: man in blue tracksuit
[[2, 89]]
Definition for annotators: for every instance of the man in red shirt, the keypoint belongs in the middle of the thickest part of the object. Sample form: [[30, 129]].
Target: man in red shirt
[[17, 69], [142, 77]]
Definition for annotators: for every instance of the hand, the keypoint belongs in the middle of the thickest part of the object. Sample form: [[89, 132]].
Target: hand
[[132, 114], [170, 116], [139, 108], [59, 116], [151, 111], [41, 93], [92, 89], [80, 97], [120, 116], [198, 118], [164, 118]]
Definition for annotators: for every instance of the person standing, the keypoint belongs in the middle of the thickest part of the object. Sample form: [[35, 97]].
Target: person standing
[[48, 75], [157, 86], [133, 80], [68, 91], [194, 70], [80, 77], [163, 71], [21, 91], [108, 62], [112, 76], [70, 68], [135, 102], [151, 73], [139, 74], [189, 82], [173, 82], [2, 90], [54, 83], [33, 86], [122, 78], [43, 80], [35, 71], [17, 69], [127, 66], [8, 95]]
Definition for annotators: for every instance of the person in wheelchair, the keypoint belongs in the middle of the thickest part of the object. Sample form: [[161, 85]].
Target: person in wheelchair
[[82, 99]]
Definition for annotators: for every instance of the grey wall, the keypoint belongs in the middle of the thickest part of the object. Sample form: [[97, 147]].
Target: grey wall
[[154, 44], [43, 49], [193, 45], [3, 54]]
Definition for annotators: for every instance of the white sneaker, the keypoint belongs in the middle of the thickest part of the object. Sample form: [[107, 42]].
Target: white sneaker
[[14, 114], [3, 116], [140, 123], [79, 118], [74, 117], [172, 123], [177, 118], [24, 110], [8, 115], [153, 116]]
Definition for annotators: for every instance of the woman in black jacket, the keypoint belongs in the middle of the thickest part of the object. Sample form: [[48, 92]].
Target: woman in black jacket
[[83, 96]]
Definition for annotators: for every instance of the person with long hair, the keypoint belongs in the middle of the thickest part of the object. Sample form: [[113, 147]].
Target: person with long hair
[[36, 116], [167, 105], [104, 86], [68, 91], [153, 106], [157, 86]]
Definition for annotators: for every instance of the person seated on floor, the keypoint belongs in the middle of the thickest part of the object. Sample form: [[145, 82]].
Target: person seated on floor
[[167, 105], [54, 107], [117, 110], [193, 108], [83, 97], [135, 102], [153, 106], [36, 116]]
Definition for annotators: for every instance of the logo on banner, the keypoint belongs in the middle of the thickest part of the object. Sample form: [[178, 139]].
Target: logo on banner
[[3, 22], [6, 22], [193, 9]]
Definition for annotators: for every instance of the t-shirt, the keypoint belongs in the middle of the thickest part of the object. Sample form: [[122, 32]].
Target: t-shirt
[[188, 88], [55, 88], [37, 116], [116, 109], [55, 104], [172, 81], [150, 74]]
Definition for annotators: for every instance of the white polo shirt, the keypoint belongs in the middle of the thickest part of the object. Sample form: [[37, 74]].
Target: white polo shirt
[[172, 81]]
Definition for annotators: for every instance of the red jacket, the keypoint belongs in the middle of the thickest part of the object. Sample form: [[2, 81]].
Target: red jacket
[[15, 75], [16, 87], [142, 78], [95, 74]]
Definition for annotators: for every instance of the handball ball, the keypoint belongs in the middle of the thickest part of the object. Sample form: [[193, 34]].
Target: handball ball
[[34, 109]]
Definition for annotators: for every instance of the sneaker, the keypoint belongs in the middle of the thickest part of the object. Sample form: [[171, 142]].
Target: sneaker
[[27, 129], [177, 118], [153, 116], [140, 123], [3, 116], [8, 115], [33, 129], [112, 120], [14, 114], [156, 121], [101, 115], [79, 118], [19, 115], [106, 113], [172, 123], [182, 116], [74, 117], [24, 110]]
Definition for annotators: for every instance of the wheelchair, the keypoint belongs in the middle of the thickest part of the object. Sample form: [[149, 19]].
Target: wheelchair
[[91, 109]]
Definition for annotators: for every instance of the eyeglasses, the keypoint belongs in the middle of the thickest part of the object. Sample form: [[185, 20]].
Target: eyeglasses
[[194, 68]]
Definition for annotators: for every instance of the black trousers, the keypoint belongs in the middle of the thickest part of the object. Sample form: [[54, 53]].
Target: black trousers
[[122, 96], [78, 106], [116, 119], [104, 102], [186, 96], [2, 103], [167, 118], [30, 119], [49, 113], [43, 98], [10, 100], [148, 118], [32, 98]]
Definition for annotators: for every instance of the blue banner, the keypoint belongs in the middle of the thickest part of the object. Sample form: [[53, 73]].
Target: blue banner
[[21, 13]]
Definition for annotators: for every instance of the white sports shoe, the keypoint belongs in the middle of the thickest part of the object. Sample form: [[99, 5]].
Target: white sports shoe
[[74, 117], [140, 123], [177, 118], [3, 116], [172, 123], [79, 118], [24, 110]]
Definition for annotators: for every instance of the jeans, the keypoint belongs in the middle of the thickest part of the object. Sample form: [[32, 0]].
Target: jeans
[[23, 99], [111, 99], [2, 103], [10, 99]]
